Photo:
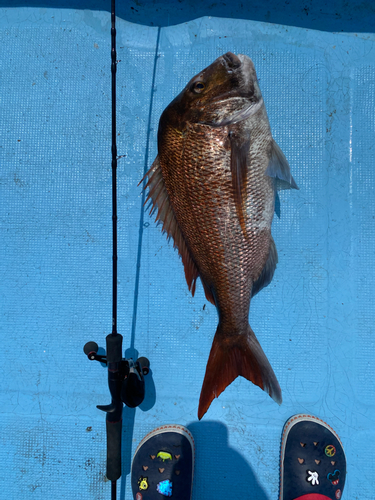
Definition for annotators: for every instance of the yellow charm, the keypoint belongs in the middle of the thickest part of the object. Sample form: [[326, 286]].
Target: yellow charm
[[164, 455], [143, 483]]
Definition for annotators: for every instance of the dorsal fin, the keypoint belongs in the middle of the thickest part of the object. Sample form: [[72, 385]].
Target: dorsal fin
[[238, 165], [158, 194]]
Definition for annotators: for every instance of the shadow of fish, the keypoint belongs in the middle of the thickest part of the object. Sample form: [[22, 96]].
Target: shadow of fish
[[213, 184]]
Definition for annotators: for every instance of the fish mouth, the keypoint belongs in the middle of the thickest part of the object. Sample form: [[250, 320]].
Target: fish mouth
[[231, 61]]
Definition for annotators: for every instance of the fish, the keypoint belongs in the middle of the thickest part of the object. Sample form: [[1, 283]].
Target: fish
[[213, 185]]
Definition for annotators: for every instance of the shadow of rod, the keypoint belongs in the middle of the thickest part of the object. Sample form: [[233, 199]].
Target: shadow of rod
[[129, 413], [141, 219]]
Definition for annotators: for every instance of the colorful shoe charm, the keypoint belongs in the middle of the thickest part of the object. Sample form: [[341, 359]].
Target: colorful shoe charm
[[313, 463], [163, 464]]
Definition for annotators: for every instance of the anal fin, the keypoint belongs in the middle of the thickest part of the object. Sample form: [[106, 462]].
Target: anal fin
[[266, 275]]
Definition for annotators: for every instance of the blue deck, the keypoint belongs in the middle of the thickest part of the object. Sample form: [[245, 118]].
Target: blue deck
[[315, 321]]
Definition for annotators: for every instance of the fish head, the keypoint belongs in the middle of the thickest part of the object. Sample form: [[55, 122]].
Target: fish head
[[223, 93]]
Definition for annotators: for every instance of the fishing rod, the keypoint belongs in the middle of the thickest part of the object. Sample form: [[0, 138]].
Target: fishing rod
[[125, 376]]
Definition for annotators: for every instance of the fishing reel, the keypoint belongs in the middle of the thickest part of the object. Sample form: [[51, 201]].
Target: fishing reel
[[128, 386]]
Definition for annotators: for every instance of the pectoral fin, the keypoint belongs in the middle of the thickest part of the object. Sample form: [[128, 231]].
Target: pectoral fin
[[159, 197], [238, 164], [279, 169]]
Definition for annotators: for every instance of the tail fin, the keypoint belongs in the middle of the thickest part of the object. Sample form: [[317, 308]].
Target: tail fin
[[233, 355]]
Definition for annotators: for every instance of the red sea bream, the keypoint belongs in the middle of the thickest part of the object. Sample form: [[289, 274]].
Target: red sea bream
[[213, 185]]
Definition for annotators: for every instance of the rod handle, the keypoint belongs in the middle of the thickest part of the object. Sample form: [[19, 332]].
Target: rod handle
[[114, 430], [114, 348]]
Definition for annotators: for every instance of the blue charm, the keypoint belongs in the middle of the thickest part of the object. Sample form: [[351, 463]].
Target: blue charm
[[165, 488]]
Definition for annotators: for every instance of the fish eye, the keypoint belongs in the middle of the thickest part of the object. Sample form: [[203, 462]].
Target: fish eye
[[198, 87]]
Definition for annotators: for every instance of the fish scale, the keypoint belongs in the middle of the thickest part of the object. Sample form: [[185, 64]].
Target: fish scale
[[216, 235], [213, 184]]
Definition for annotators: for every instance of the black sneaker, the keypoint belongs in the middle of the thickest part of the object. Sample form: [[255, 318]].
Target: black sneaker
[[163, 464], [313, 463]]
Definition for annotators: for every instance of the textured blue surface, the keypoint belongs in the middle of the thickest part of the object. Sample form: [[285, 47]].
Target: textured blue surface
[[315, 321], [335, 15]]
